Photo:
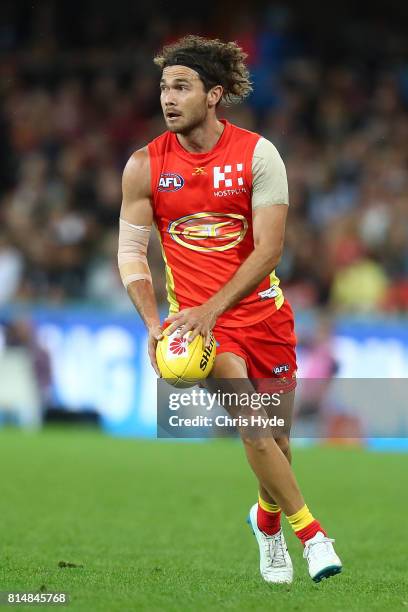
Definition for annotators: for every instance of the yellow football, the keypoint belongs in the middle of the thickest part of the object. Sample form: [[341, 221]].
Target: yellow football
[[185, 363]]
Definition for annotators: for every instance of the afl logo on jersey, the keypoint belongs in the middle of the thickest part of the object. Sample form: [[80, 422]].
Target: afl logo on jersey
[[170, 182], [207, 231]]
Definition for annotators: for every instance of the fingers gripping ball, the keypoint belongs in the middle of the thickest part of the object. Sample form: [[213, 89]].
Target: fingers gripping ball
[[184, 363]]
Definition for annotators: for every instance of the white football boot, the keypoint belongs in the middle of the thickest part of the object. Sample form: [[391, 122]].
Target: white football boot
[[275, 563], [321, 558]]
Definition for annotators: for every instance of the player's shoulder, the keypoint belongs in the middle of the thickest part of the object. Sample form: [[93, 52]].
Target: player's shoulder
[[263, 149], [243, 133], [266, 148], [138, 162], [159, 143], [136, 174]]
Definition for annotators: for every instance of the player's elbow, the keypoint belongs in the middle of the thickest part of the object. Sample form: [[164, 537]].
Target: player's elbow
[[271, 255], [276, 255]]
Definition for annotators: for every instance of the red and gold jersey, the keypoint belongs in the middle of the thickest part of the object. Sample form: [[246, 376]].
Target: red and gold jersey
[[203, 212]]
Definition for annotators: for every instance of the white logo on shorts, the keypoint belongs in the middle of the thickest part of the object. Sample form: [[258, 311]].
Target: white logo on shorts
[[272, 292]]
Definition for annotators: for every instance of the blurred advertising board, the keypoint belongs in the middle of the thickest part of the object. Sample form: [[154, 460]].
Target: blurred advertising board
[[98, 360]]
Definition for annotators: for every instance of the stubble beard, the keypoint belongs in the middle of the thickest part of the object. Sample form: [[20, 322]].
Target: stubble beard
[[186, 128]]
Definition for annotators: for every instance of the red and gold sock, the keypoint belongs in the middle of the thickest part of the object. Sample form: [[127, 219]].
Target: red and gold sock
[[304, 524], [268, 517]]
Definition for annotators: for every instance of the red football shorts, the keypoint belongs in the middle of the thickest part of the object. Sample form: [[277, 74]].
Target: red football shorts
[[268, 347]]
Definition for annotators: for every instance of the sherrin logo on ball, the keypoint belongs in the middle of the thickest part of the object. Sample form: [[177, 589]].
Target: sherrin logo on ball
[[185, 363]]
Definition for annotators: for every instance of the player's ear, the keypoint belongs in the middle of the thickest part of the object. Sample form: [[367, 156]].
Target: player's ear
[[214, 95]]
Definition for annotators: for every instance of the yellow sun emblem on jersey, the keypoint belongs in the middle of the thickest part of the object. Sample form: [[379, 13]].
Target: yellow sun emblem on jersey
[[209, 231]]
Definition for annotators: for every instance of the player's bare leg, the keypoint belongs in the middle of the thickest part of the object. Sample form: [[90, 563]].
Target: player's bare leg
[[274, 473], [284, 445], [264, 455], [275, 563], [268, 511]]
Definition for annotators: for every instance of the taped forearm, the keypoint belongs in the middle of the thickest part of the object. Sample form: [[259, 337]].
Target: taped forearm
[[132, 252]]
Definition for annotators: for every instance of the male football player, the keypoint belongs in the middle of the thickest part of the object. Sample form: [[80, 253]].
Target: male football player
[[218, 196]]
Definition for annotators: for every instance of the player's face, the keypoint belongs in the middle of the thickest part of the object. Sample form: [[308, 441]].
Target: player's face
[[183, 99]]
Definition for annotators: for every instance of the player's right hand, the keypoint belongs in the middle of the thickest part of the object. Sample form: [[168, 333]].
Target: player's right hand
[[155, 334]]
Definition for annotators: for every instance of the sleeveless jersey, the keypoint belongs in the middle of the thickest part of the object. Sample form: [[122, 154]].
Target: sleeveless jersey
[[203, 212]]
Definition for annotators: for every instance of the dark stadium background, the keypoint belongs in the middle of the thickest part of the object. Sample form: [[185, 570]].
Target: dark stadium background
[[79, 93]]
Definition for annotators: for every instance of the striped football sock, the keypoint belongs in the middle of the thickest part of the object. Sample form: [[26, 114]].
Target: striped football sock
[[304, 524], [268, 517]]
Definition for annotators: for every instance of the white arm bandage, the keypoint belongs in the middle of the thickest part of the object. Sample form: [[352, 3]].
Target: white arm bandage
[[269, 182], [132, 252]]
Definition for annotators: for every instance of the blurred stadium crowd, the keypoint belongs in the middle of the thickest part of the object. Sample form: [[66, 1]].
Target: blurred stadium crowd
[[75, 106]]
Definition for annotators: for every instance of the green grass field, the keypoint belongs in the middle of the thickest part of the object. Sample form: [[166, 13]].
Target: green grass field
[[161, 525]]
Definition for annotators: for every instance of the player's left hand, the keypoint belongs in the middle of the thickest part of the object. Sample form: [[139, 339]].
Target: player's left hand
[[198, 320]]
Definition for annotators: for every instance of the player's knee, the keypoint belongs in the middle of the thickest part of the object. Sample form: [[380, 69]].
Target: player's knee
[[283, 443], [262, 444], [255, 443]]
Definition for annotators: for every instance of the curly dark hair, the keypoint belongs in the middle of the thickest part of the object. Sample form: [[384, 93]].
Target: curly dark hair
[[217, 63]]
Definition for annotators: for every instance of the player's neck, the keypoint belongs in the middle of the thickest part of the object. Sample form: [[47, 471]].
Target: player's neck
[[202, 138]]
